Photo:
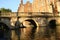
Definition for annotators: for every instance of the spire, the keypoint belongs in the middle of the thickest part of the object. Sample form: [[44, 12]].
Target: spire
[[21, 1]]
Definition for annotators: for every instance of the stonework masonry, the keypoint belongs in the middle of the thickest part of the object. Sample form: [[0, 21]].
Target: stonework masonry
[[38, 6]]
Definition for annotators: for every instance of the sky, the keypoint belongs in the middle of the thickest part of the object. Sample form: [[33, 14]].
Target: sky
[[11, 4]]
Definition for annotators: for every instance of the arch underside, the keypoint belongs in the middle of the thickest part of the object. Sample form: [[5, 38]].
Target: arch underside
[[4, 31], [31, 21]]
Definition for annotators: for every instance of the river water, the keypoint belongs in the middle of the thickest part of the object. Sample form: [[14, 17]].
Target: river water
[[37, 34], [30, 32]]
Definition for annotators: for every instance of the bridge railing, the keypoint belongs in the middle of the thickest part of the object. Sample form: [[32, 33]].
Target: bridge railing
[[21, 14], [9, 14]]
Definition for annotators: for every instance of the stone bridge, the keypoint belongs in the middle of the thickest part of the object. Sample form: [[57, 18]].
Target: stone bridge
[[40, 18]]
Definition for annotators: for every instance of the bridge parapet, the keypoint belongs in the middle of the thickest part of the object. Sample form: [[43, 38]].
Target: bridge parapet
[[39, 14], [24, 14], [9, 14]]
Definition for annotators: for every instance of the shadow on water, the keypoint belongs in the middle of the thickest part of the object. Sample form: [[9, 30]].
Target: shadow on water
[[33, 29], [5, 33], [51, 30], [17, 29], [52, 24], [52, 27]]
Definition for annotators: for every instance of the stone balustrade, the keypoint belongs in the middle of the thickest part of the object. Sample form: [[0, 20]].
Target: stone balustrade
[[23, 14]]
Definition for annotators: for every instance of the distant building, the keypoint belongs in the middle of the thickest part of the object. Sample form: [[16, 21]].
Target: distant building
[[38, 6]]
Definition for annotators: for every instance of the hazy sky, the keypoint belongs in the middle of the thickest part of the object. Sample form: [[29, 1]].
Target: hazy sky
[[11, 4]]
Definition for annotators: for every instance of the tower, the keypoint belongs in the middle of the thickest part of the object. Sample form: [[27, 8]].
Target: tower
[[21, 7], [21, 1], [28, 7], [54, 6]]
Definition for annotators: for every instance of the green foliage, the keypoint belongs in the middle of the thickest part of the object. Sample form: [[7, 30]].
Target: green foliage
[[0, 11], [5, 10]]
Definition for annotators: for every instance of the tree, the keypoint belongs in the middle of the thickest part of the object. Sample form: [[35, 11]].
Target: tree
[[5, 10], [0, 11]]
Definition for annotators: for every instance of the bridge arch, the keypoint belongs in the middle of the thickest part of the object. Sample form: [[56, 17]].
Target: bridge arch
[[31, 21], [4, 24], [52, 23], [31, 27], [5, 33]]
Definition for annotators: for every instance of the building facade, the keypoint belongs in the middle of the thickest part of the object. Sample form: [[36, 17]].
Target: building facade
[[39, 6]]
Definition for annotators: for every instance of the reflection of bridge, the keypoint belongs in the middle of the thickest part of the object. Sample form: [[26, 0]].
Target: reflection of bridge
[[41, 18]]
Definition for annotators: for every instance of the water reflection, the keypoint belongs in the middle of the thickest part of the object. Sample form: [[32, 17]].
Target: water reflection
[[17, 29], [5, 33], [29, 31], [50, 31], [43, 33]]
